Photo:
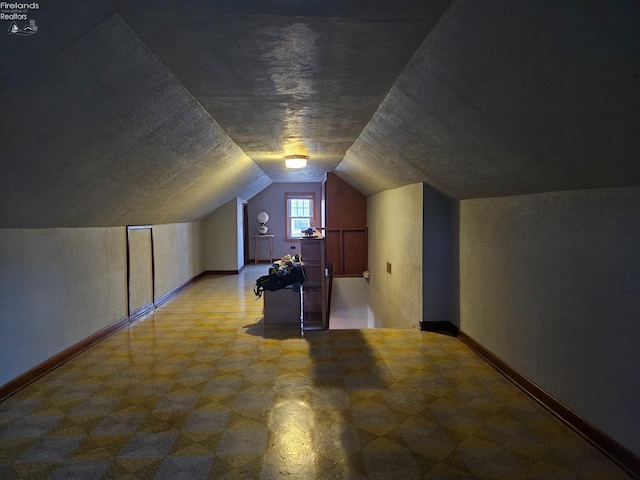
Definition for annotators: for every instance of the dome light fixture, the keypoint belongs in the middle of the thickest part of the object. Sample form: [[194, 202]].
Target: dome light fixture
[[296, 161]]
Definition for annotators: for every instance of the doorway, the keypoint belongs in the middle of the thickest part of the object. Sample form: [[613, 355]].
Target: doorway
[[245, 233], [140, 270]]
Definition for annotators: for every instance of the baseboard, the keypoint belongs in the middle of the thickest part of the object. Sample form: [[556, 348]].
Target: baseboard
[[625, 458], [169, 295], [224, 272], [141, 311], [446, 328], [54, 362], [172, 293]]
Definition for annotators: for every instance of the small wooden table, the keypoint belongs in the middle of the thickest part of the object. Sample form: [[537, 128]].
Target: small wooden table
[[270, 237]]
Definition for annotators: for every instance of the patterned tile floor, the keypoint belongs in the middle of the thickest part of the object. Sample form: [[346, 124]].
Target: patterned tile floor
[[202, 389]]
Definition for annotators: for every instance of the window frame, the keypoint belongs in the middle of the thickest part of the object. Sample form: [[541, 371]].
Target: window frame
[[298, 196]]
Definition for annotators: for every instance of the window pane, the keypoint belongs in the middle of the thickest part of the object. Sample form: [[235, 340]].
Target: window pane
[[299, 207], [299, 224], [299, 214]]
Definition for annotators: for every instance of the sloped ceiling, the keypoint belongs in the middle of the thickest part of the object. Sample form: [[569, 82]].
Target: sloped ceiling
[[98, 132], [135, 112], [285, 78], [511, 99]]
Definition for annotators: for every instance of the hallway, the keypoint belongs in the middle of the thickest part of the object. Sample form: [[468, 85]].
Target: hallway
[[202, 389]]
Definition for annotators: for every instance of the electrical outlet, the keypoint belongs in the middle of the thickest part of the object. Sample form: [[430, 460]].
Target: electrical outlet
[[293, 247], [388, 268]]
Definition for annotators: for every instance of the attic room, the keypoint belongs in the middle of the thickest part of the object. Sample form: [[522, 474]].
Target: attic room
[[495, 146]]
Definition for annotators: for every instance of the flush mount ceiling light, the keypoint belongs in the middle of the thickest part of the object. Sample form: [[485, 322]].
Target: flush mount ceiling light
[[296, 161]]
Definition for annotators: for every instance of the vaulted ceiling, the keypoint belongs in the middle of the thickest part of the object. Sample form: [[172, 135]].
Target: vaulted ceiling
[[134, 112]]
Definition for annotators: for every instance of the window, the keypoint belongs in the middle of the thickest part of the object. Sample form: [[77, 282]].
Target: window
[[300, 207]]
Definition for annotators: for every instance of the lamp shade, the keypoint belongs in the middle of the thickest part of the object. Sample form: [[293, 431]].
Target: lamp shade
[[263, 217]]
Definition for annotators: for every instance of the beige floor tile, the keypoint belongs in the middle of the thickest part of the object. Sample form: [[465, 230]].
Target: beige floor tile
[[202, 389]]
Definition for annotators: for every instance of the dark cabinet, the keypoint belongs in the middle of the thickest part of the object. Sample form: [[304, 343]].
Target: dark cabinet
[[281, 306], [344, 227], [314, 296]]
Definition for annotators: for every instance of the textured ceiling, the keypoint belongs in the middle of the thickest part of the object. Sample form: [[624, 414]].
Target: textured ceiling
[[511, 99], [287, 77], [132, 112], [102, 134]]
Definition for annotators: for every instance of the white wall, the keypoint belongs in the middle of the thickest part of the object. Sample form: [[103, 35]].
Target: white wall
[[178, 251], [395, 221], [224, 248], [240, 233], [57, 287], [550, 284], [272, 201], [349, 303]]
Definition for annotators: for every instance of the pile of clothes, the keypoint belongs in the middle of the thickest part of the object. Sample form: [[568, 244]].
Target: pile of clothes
[[286, 264], [284, 272]]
